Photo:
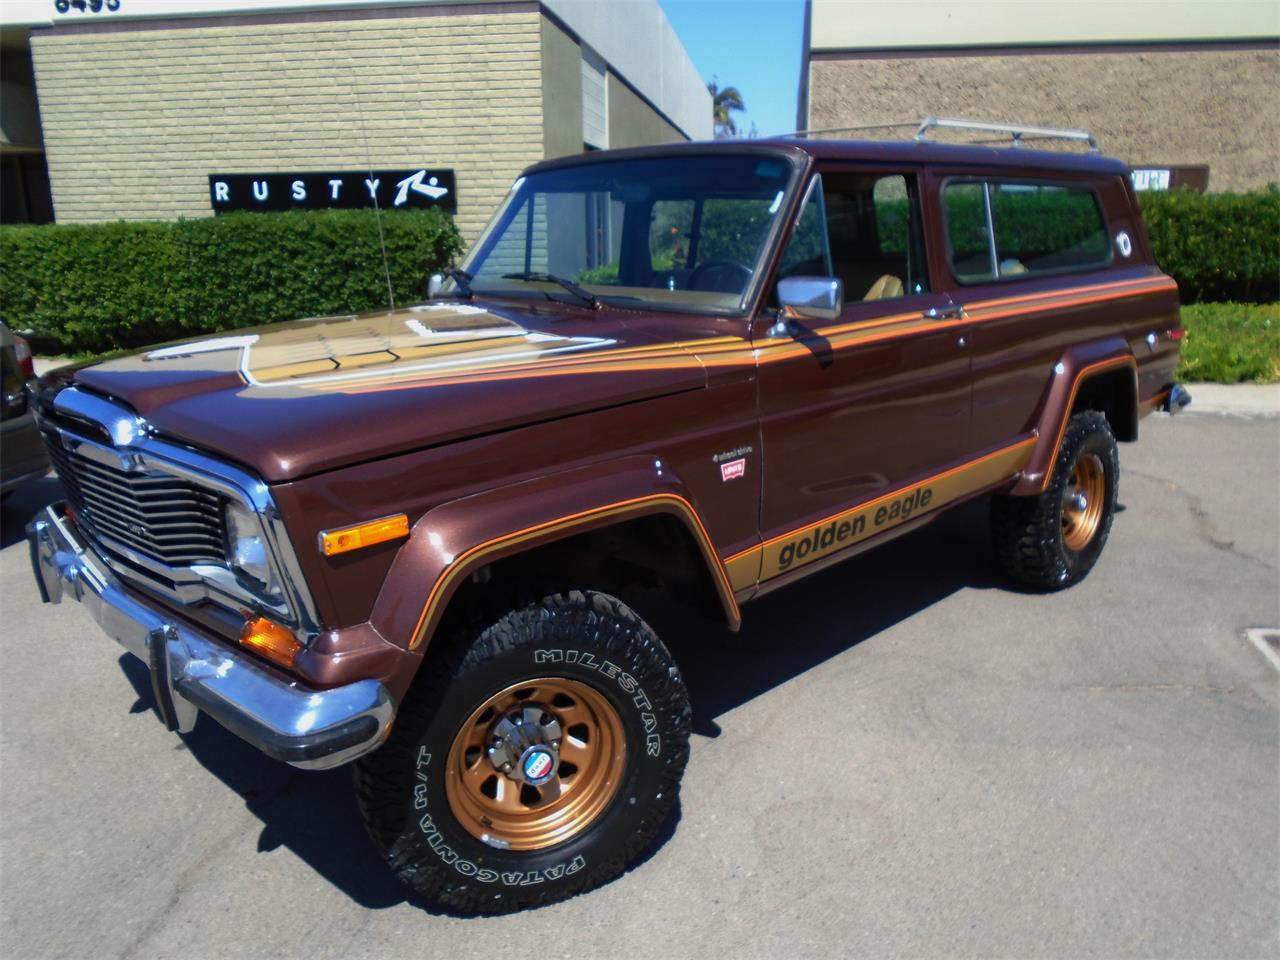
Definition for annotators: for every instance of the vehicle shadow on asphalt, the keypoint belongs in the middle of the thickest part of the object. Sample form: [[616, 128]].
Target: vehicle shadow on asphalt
[[314, 814], [787, 633], [23, 504]]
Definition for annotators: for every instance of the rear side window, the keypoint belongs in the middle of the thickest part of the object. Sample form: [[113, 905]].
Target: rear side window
[[1003, 230]]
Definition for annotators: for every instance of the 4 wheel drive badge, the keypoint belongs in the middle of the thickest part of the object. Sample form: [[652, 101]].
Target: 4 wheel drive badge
[[538, 766]]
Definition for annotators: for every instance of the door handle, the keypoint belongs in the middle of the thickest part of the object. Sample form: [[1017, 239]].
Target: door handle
[[952, 311]]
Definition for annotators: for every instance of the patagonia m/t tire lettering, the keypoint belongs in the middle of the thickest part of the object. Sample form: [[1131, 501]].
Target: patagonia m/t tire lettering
[[460, 800]]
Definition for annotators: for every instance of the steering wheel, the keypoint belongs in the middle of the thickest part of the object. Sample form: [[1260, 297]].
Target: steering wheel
[[720, 276]]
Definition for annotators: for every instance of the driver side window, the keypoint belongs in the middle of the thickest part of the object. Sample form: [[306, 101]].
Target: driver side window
[[869, 233]]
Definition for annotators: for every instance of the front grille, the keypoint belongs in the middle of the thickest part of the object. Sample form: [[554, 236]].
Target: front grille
[[162, 517]]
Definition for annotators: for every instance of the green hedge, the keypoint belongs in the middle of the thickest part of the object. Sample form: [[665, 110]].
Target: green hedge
[[1218, 246], [1231, 342], [99, 287]]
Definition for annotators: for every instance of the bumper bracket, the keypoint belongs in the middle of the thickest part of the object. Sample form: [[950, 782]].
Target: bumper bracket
[[193, 671]]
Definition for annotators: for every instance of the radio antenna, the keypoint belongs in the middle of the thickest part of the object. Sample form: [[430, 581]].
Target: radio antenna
[[373, 190]]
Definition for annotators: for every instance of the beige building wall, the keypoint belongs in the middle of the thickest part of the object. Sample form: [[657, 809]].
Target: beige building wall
[[934, 24], [561, 87], [631, 121], [1158, 105], [136, 117]]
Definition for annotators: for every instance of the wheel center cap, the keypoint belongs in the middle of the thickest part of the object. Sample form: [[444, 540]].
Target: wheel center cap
[[538, 765], [524, 745]]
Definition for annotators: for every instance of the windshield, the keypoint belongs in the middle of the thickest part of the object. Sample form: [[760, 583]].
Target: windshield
[[676, 232]]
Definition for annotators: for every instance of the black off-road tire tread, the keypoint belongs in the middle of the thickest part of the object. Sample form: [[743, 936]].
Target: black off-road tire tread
[[382, 778], [1026, 531]]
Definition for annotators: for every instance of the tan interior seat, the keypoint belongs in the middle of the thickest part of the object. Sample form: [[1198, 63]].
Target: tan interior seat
[[1011, 267], [886, 288]]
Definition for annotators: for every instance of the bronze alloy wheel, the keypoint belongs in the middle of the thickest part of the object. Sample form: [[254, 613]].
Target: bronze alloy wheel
[[1082, 502], [535, 764], [502, 787]]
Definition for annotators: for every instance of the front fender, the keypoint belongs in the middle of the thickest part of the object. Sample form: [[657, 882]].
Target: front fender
[[454, 539], [1075, 367]]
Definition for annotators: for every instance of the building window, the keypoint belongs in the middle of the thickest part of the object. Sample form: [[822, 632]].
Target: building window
[[24, 189]]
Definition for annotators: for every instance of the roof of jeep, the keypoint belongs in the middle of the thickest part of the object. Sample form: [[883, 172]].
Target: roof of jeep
[[1017, 159]]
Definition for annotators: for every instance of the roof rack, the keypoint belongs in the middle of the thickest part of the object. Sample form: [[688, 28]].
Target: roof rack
[[1019, 133]]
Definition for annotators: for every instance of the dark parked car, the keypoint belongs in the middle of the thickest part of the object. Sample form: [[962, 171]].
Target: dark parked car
[[435, 540], [22, 451]]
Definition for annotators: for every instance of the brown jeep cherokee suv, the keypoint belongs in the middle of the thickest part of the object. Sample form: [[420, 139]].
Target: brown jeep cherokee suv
[[433, 539]]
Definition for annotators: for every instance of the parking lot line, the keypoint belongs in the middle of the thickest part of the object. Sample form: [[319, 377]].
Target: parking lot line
[[1266, 639]]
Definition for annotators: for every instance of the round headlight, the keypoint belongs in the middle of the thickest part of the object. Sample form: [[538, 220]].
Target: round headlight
[[246, 548]]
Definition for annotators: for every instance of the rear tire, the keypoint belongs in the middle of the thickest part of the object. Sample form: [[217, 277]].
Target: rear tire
[[1052, 541], [532, 760]]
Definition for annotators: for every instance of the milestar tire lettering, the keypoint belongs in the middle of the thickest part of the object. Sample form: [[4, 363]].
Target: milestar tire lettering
[[628, 684]]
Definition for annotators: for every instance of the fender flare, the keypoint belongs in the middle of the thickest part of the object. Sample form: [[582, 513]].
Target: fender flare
[[1074, 368], [454, 539]]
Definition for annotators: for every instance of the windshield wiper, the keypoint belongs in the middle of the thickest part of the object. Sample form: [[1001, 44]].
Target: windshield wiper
[[584, 295]]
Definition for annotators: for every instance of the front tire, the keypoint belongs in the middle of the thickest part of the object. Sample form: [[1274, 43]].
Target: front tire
[[1052, 541], [530, 761]]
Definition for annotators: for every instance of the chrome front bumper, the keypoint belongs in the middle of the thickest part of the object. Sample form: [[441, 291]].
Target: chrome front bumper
[[191, 670]]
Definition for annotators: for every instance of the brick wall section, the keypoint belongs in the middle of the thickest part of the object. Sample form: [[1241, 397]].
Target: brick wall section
[[136, 119], [1218, 107]]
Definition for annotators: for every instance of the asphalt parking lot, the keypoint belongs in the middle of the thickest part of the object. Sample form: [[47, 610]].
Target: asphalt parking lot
[[897, 757]]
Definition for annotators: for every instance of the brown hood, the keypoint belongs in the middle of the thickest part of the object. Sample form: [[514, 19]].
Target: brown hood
[[310, 395]]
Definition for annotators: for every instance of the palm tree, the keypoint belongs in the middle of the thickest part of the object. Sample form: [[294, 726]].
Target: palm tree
[[724, 103]]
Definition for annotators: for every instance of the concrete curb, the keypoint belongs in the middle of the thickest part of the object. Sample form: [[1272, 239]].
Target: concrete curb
[[1240, 399]]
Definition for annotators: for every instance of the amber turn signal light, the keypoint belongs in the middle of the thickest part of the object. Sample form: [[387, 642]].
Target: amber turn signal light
[[360, 535], [276, 643]]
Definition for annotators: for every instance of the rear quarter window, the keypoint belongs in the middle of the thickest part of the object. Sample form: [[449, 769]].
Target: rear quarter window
[[1005, 229]]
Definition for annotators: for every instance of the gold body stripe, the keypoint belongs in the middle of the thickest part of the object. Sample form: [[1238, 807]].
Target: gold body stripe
[[734, 351], [814, 541], [821, 538], [909, 324]]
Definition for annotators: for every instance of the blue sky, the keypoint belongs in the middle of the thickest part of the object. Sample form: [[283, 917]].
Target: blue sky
[[753, 45]]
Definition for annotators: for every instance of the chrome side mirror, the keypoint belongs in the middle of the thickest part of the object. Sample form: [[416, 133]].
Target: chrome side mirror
[[435, 283], [811, 298]]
